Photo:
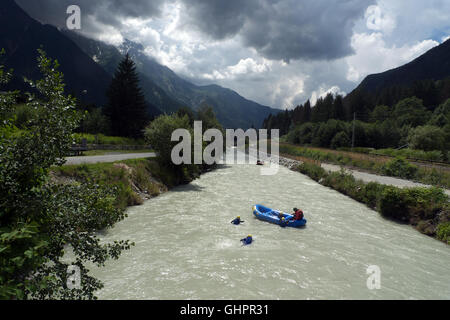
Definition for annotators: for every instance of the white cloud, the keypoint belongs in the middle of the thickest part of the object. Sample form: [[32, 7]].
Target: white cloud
[[373, 55], [248, 65], [322, 92], [377, 19]]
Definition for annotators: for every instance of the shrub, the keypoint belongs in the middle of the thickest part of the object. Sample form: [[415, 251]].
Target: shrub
[[443, 232], [372, 192], [313, 171], [399, 167], [340, 140], [102, 139], [393, 203], [427, 138]]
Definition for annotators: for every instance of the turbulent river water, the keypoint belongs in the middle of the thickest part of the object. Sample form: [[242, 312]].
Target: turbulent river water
[[186, 247]]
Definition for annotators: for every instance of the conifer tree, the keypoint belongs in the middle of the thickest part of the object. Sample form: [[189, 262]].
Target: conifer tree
[[127, 108]]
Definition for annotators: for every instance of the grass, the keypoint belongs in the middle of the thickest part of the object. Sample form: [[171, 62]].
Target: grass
[[397, 167], [407, 153], [106, 152], [427, 209], [130, 178], [106, 140]]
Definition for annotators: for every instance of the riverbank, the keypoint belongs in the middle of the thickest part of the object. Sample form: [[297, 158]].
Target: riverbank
[[382, 166], [135, 180], [427, 209]]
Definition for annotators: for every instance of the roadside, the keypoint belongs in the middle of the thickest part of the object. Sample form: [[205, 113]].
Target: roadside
[[107, 158], [113, 151], [427, 208], [367, 176], [398, 168]]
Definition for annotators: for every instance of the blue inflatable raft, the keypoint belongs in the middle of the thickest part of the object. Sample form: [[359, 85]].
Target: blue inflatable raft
[[274, 216]]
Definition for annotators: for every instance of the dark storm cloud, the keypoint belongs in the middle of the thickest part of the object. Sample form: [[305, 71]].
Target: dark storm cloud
[[277, 29], [108, 12], [281, 29]]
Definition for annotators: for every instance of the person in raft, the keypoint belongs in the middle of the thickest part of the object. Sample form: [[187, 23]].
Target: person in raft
[[247, 240], [237, 220], [298, 214], [284, 222]]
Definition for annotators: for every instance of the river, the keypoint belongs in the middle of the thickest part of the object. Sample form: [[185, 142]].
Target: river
[[186, 247]]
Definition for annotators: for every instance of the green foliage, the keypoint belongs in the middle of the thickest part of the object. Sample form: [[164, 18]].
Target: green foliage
[[424, 208], [95, 122], [380, 113], [159, 134], [410, 154], [443, 232], [410, 111], [102, 139], [127, 108], [302, 134], [427, 138], [441, 115], [399, 167], [341, 139], [206, 115], [374, 164], [38, 219], [314, 172], [124, 177], [394, 204], [357, 149]]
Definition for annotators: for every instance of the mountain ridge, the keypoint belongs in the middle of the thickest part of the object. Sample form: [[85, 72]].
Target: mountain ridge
[[87, 75], [423, 67], [21, 36]]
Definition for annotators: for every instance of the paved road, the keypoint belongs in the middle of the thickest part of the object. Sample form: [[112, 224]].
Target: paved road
[[369, 177], [108, 158]]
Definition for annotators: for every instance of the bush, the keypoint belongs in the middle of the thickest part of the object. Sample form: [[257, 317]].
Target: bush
[[102, 139], [411, 154], [443, 232], [422, 207], [313, 171], [372, 192], [399, 167], [410, 111], [393, 203], [341, 139], [427, 138]]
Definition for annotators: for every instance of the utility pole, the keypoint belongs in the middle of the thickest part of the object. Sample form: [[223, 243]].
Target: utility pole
[[353, 131]]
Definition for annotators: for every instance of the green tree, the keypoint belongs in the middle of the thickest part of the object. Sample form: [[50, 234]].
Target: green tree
[[95, 122], [206, 115], [380, 113], [340, 140], [38, 218], [127, 108], [159, 134], [186, 111], [427, 138], [410, 111], [441, 115]]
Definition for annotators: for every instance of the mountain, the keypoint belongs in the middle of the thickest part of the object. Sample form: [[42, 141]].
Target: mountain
[[109, 57], [432, 65], [88, 66], [21, 36], [232, 110]]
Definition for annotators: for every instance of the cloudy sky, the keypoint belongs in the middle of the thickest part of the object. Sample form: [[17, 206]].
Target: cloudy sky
[[277, 52]]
